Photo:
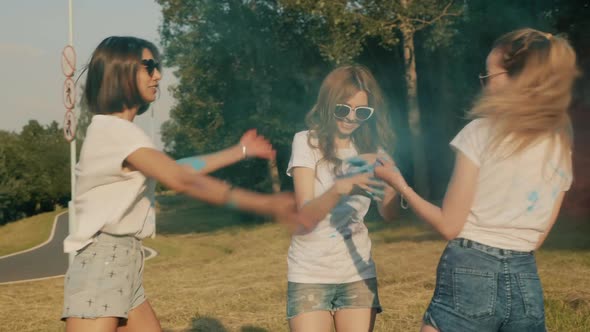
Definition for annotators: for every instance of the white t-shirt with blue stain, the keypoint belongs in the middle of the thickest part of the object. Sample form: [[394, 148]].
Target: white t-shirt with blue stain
[[515, 196], [338, 250], [109, 199]]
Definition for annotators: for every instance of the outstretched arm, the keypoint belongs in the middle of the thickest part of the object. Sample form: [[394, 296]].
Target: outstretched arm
[[251, 145], [451, 217], [155, 164]]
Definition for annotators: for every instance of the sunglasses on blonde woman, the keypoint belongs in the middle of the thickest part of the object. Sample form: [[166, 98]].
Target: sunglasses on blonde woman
[[151, 65], [361, 113], [484, 79]]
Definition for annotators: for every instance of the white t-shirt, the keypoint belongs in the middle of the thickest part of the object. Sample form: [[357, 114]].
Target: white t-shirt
[[338, 250], [107, 198], [515, 196]]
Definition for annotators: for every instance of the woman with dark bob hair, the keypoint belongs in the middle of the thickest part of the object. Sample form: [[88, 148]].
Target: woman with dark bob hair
[[116, 175]]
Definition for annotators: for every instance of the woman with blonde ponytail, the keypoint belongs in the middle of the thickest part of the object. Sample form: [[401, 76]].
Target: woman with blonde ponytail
[[512, 168]]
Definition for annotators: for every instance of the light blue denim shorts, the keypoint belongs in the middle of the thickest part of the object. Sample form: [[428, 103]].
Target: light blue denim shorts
[[483, 288], [105, 278], [303, 298]]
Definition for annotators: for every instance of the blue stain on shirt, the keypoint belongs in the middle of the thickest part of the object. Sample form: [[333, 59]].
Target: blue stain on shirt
[[195, 162], [533, 198], [356, 161], [563, 174]]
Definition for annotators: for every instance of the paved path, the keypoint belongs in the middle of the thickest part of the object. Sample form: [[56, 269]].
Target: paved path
[[45, 261]]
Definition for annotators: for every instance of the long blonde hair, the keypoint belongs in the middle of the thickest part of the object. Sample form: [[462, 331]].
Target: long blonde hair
[[340, 85], [534, 104]]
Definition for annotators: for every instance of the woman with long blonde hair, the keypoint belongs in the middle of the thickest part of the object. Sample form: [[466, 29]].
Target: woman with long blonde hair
[[512, 168], [332, 277]]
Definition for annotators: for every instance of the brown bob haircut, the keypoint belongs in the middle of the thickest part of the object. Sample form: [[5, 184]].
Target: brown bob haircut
[[111, 83]]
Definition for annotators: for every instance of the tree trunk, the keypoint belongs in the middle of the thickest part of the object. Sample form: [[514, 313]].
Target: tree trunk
[[274, 175], [418, 153], [273, 172]]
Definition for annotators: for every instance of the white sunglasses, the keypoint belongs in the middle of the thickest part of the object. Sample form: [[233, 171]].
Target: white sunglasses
[[361, 113]]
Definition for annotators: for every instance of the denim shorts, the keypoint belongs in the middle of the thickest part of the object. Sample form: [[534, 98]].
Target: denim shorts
[[482, 288], [105, 278], [303, 298]]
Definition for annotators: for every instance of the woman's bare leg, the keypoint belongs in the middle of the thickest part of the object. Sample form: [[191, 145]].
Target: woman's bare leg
[[314, 321], [141, 319], [355, 320]]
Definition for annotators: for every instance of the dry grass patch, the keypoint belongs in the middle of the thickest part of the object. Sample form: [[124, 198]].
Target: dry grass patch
[[236, 280], [233, 278], [32, 307], [26, 233]]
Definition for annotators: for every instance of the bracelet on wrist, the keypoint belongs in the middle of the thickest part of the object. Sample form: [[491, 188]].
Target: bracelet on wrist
[[244, 151], [403, 202]]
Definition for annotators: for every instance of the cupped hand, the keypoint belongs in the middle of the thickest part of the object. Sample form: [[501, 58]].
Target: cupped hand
[[257, 145], [386, 170], [359, 184]]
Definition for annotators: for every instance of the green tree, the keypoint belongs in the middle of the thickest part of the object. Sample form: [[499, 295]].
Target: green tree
[[245, 64], [241, 64], [34, 170], [13, 189], [343, 27], [47, 170]]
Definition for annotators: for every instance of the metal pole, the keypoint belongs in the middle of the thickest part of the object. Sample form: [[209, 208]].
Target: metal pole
[[71, 207], [153, 123], [153, 133]]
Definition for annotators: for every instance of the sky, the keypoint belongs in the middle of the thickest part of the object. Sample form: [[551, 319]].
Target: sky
[[33, 34]]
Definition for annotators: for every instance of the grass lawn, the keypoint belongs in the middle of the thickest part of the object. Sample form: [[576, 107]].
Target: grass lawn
[[216, 273], [26, 233]]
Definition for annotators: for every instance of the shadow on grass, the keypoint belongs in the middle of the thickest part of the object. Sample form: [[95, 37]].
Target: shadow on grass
[[179, 214], [209, 324]]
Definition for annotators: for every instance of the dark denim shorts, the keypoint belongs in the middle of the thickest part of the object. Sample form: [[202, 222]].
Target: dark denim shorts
[[482, 288]]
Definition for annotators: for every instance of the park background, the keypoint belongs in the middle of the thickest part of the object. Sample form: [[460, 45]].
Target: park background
[[258, 64]]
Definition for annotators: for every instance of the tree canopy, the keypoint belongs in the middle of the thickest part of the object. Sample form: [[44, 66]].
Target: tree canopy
[[34, 171], [259, 63]]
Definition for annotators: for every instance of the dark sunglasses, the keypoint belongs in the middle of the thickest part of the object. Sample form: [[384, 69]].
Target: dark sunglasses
[[361, 113], [151, 65]]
